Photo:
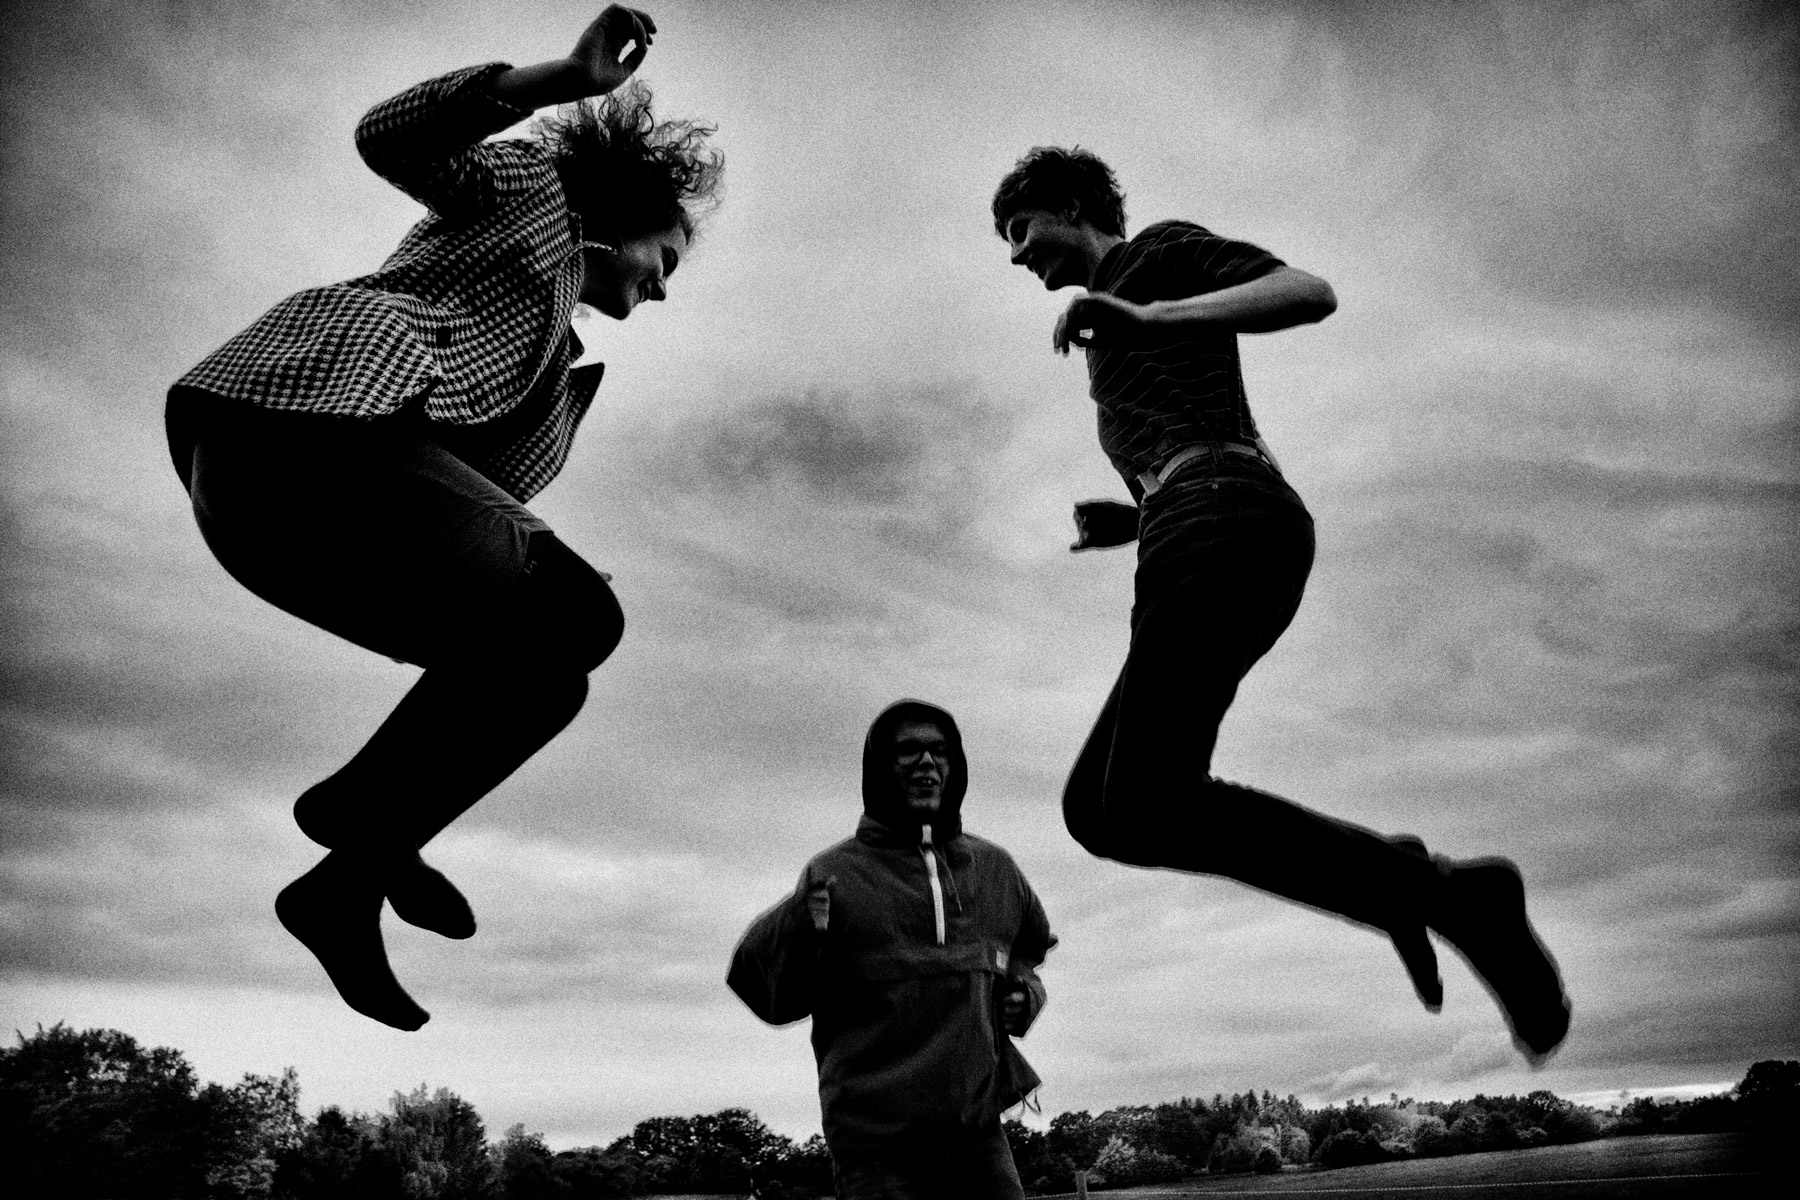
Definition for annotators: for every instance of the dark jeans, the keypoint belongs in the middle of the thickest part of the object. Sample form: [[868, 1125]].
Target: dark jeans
[[1224, 552], [956, 1165], [370, 530]]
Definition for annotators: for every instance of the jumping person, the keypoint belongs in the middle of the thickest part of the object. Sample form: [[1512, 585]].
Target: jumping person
[[360, 457], [1224, 549], [913, 948]]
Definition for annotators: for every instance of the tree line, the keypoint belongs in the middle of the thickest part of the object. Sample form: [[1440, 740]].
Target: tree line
[[94, 1114]]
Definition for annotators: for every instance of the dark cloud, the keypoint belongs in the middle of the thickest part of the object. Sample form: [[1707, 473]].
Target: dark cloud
[[902, 450]]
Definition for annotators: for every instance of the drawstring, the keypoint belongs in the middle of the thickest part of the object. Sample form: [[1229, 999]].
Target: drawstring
[[949, 874], [928, 851]]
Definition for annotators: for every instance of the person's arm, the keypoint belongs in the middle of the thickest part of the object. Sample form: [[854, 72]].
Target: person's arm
[[609, 52], [1026, 997], [1281, 299], [775, 968], [427, 141]]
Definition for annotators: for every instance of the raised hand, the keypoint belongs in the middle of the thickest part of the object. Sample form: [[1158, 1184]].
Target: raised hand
[[607, 54], [612, 48], [1096, 318], [1100, 524]]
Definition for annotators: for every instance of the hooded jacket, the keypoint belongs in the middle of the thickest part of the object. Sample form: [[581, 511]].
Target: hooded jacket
[[903, 970]]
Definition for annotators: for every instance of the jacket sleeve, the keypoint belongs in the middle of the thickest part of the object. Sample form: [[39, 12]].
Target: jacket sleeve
[[1033, 941], [775, 968], [427, 141]]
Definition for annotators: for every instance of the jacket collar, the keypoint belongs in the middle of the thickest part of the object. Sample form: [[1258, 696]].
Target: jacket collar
[[906, 837]]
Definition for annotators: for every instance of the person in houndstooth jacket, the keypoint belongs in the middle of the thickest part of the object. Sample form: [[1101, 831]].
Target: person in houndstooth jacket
[[361, 454]]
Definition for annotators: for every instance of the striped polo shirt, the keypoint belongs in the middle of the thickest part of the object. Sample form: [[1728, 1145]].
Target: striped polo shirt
[[1154, 399]]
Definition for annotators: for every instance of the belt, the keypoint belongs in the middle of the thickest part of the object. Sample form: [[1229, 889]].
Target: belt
[[1152, 481]]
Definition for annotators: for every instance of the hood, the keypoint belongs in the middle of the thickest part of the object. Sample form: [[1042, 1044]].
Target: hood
[[882, 796]]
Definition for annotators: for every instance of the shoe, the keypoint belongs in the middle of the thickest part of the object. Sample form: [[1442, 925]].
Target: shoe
[[1481, 912], [335, 911]]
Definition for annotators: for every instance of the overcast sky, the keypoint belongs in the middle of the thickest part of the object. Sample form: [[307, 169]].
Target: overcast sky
[[1549, 439]]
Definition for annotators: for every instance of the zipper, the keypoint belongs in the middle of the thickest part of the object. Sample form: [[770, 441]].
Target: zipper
[[931, 873]]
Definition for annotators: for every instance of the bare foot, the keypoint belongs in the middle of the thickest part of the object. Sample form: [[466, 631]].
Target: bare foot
[[1413, 944], [335, 911], [422, 896], [1482, 914]]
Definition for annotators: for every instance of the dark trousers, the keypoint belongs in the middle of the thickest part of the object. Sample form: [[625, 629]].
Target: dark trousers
[[370, 530], [957, 1165], [1223, 560]]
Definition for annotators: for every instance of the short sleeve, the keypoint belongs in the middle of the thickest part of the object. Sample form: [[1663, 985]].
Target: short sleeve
[[1175, 259]]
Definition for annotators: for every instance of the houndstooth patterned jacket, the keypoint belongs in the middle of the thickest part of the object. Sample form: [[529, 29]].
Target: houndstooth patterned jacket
[[464, 317]]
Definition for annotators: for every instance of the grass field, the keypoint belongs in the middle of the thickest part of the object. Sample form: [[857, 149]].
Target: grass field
[[1708, 1164]]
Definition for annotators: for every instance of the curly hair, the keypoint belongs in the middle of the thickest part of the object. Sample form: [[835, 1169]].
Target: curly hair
[[1053, 179], [626, 173]]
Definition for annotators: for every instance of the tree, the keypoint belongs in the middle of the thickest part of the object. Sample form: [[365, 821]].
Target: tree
[[806, 1169], [251, 1127], [595, 1174], [1073, 1136], [733, 1148], [338, 1158], [1770, 1094], [523, 1167], [1125, 1164], [1431, 1137], [1180, 1131], [1240, 1149], [437, 1145], [94, 1114], [1348, 1148]]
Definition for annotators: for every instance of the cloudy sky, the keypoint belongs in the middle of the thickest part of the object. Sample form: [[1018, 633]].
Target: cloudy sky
[[1549, 438]]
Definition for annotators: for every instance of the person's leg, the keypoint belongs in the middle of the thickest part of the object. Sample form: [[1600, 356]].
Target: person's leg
[[881, 1177], [490, 698], [400, 548], [1141, 793], [984, 1170], [474, 717], [948, 1164]]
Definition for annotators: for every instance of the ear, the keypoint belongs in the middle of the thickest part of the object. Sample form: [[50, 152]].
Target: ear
[[1072, 214]]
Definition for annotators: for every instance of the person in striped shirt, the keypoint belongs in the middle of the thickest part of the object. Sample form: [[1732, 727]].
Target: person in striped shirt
[[1225, 545], [361, 455]]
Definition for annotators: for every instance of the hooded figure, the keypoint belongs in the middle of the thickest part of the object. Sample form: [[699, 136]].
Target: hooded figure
[[912, 946]]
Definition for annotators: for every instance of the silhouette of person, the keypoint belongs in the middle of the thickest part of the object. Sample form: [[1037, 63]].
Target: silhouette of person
[[913, 947], [360, 457], [1224, 549]]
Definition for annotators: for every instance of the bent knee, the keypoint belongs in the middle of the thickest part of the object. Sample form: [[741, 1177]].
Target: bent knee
[[601, 630], [1118, 832], [1085, 817], [570, 611]]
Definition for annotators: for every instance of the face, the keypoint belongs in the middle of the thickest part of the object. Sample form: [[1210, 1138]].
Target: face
[[921, 766], [1049, 245], [618, 280]]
